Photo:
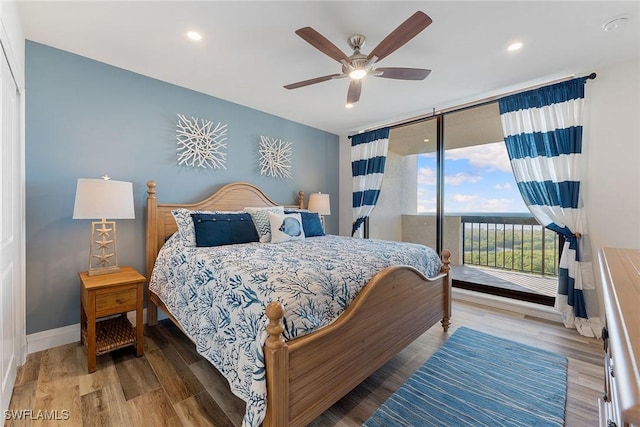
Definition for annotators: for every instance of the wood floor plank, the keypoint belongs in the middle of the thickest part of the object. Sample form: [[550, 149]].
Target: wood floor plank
[[173, 373], [59, 362], [23, 397], [105, 407], [60, 397], [180, 342], [202, 410], [136, 377], [218, 387], [104, 375], [152, 409], [30, 370]]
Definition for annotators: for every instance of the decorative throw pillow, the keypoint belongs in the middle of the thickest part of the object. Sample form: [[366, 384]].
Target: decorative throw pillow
[[223, 229], [260, 219], [185, 225], [285, 227], [310, 222]]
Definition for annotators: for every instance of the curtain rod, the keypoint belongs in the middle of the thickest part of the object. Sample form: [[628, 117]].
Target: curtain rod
[[471, 104]]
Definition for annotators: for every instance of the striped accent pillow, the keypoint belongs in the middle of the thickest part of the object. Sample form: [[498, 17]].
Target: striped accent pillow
[[260, 217]]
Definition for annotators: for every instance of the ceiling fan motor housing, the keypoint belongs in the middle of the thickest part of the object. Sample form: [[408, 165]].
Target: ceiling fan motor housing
[[356, 41]]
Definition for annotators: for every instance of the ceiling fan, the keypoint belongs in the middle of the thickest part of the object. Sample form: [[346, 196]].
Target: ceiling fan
[[359, 65]]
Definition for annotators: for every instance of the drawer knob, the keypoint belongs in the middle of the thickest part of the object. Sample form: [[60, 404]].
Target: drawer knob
[[120, 300]]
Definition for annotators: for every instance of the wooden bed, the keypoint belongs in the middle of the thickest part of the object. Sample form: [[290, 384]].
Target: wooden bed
[[306, 375]]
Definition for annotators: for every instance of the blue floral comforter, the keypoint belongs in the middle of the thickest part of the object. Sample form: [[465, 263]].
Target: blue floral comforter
[[219, 295]]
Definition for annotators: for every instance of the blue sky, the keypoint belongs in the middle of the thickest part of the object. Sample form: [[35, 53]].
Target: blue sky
[[477, 179]]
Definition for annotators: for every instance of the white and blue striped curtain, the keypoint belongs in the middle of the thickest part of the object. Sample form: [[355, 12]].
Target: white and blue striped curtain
[[368, 157], [543, 134]]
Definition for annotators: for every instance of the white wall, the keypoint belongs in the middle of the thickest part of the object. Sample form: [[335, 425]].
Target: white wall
[[345, 183], [397, 197], [612, 144]]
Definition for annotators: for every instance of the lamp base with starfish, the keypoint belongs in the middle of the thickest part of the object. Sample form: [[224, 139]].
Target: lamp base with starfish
[[103, 257]]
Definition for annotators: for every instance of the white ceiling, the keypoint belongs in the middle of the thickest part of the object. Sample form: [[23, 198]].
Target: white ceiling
[[249, 50]]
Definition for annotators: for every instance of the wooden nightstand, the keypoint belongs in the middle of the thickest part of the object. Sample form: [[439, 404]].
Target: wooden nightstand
[[108, 295]]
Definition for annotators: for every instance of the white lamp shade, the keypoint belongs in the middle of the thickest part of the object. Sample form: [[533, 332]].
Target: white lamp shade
[[101, 198], [319, 202]]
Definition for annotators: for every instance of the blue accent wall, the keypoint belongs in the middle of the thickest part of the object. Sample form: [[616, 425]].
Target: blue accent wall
[[85, 119]]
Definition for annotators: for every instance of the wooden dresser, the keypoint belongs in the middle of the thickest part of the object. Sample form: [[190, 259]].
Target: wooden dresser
[[620, 404]]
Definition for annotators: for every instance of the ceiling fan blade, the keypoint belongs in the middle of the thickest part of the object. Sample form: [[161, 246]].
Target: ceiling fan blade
[[311, 81], [321, 43], [355, 87], [401, 35], [402, 73]]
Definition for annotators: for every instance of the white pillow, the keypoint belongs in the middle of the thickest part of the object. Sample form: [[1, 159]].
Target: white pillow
[[261, 220], [285, 227]]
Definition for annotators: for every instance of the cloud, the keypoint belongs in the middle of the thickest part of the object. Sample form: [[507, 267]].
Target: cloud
[[426, 206], [484, 156], [460, 178], [464, 198], [426, 176], [472, 203], [505, 186]]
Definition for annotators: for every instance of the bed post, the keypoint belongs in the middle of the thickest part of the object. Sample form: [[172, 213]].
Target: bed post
[[301, 199], [276, 358], [152, 248], [447, 297]]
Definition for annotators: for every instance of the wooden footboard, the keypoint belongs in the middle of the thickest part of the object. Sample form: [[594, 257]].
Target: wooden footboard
[[307, 375]]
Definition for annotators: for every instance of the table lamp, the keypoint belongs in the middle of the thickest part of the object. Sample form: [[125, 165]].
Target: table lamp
[[320, 203], [102, 199]]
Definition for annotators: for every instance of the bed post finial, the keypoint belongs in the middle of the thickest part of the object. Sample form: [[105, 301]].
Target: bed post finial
[[274, 327], [446, 254], [151, 189], [301, 199]]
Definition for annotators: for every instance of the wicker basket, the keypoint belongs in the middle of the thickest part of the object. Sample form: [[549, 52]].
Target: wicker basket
[[111, 334]]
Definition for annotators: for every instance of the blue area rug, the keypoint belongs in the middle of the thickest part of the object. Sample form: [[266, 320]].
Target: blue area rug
[[476, 379]]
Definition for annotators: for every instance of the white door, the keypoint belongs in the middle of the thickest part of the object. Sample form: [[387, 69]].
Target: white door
[[11, 325]]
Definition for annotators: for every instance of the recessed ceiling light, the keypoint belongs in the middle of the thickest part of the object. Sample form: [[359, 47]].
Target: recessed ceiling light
[[194, 35], [426, 140], [348, 105], [615, 23], [514, 46]]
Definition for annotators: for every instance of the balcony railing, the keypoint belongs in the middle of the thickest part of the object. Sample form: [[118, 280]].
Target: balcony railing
[[510, 243]]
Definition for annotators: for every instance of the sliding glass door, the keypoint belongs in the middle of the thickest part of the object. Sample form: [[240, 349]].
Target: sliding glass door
[[448, 184]]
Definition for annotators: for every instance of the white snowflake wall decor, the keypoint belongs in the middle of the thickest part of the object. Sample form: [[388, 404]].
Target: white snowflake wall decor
[[199, 144], [275, 157]]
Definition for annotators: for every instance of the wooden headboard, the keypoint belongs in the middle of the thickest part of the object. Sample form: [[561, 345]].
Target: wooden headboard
[[232, 197]]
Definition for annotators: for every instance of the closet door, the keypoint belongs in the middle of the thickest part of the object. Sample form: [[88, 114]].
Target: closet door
[[10, 233]]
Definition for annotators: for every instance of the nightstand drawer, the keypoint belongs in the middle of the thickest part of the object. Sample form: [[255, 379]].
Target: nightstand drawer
[[115, 300]]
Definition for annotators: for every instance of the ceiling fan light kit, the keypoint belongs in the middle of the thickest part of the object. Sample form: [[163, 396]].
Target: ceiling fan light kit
[[358, 65]]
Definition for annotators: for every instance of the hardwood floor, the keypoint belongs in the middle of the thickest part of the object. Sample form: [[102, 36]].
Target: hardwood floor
[[171, 385]]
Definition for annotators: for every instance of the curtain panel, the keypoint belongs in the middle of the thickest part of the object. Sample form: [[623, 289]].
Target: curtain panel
[[368, 158], [543, 134]]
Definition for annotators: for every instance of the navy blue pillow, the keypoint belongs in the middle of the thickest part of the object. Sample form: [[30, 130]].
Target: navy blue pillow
[[311, 223], [224, 229]]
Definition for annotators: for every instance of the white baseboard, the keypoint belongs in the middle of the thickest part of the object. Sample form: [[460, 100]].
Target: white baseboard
[[530, 309], [65, 335]]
